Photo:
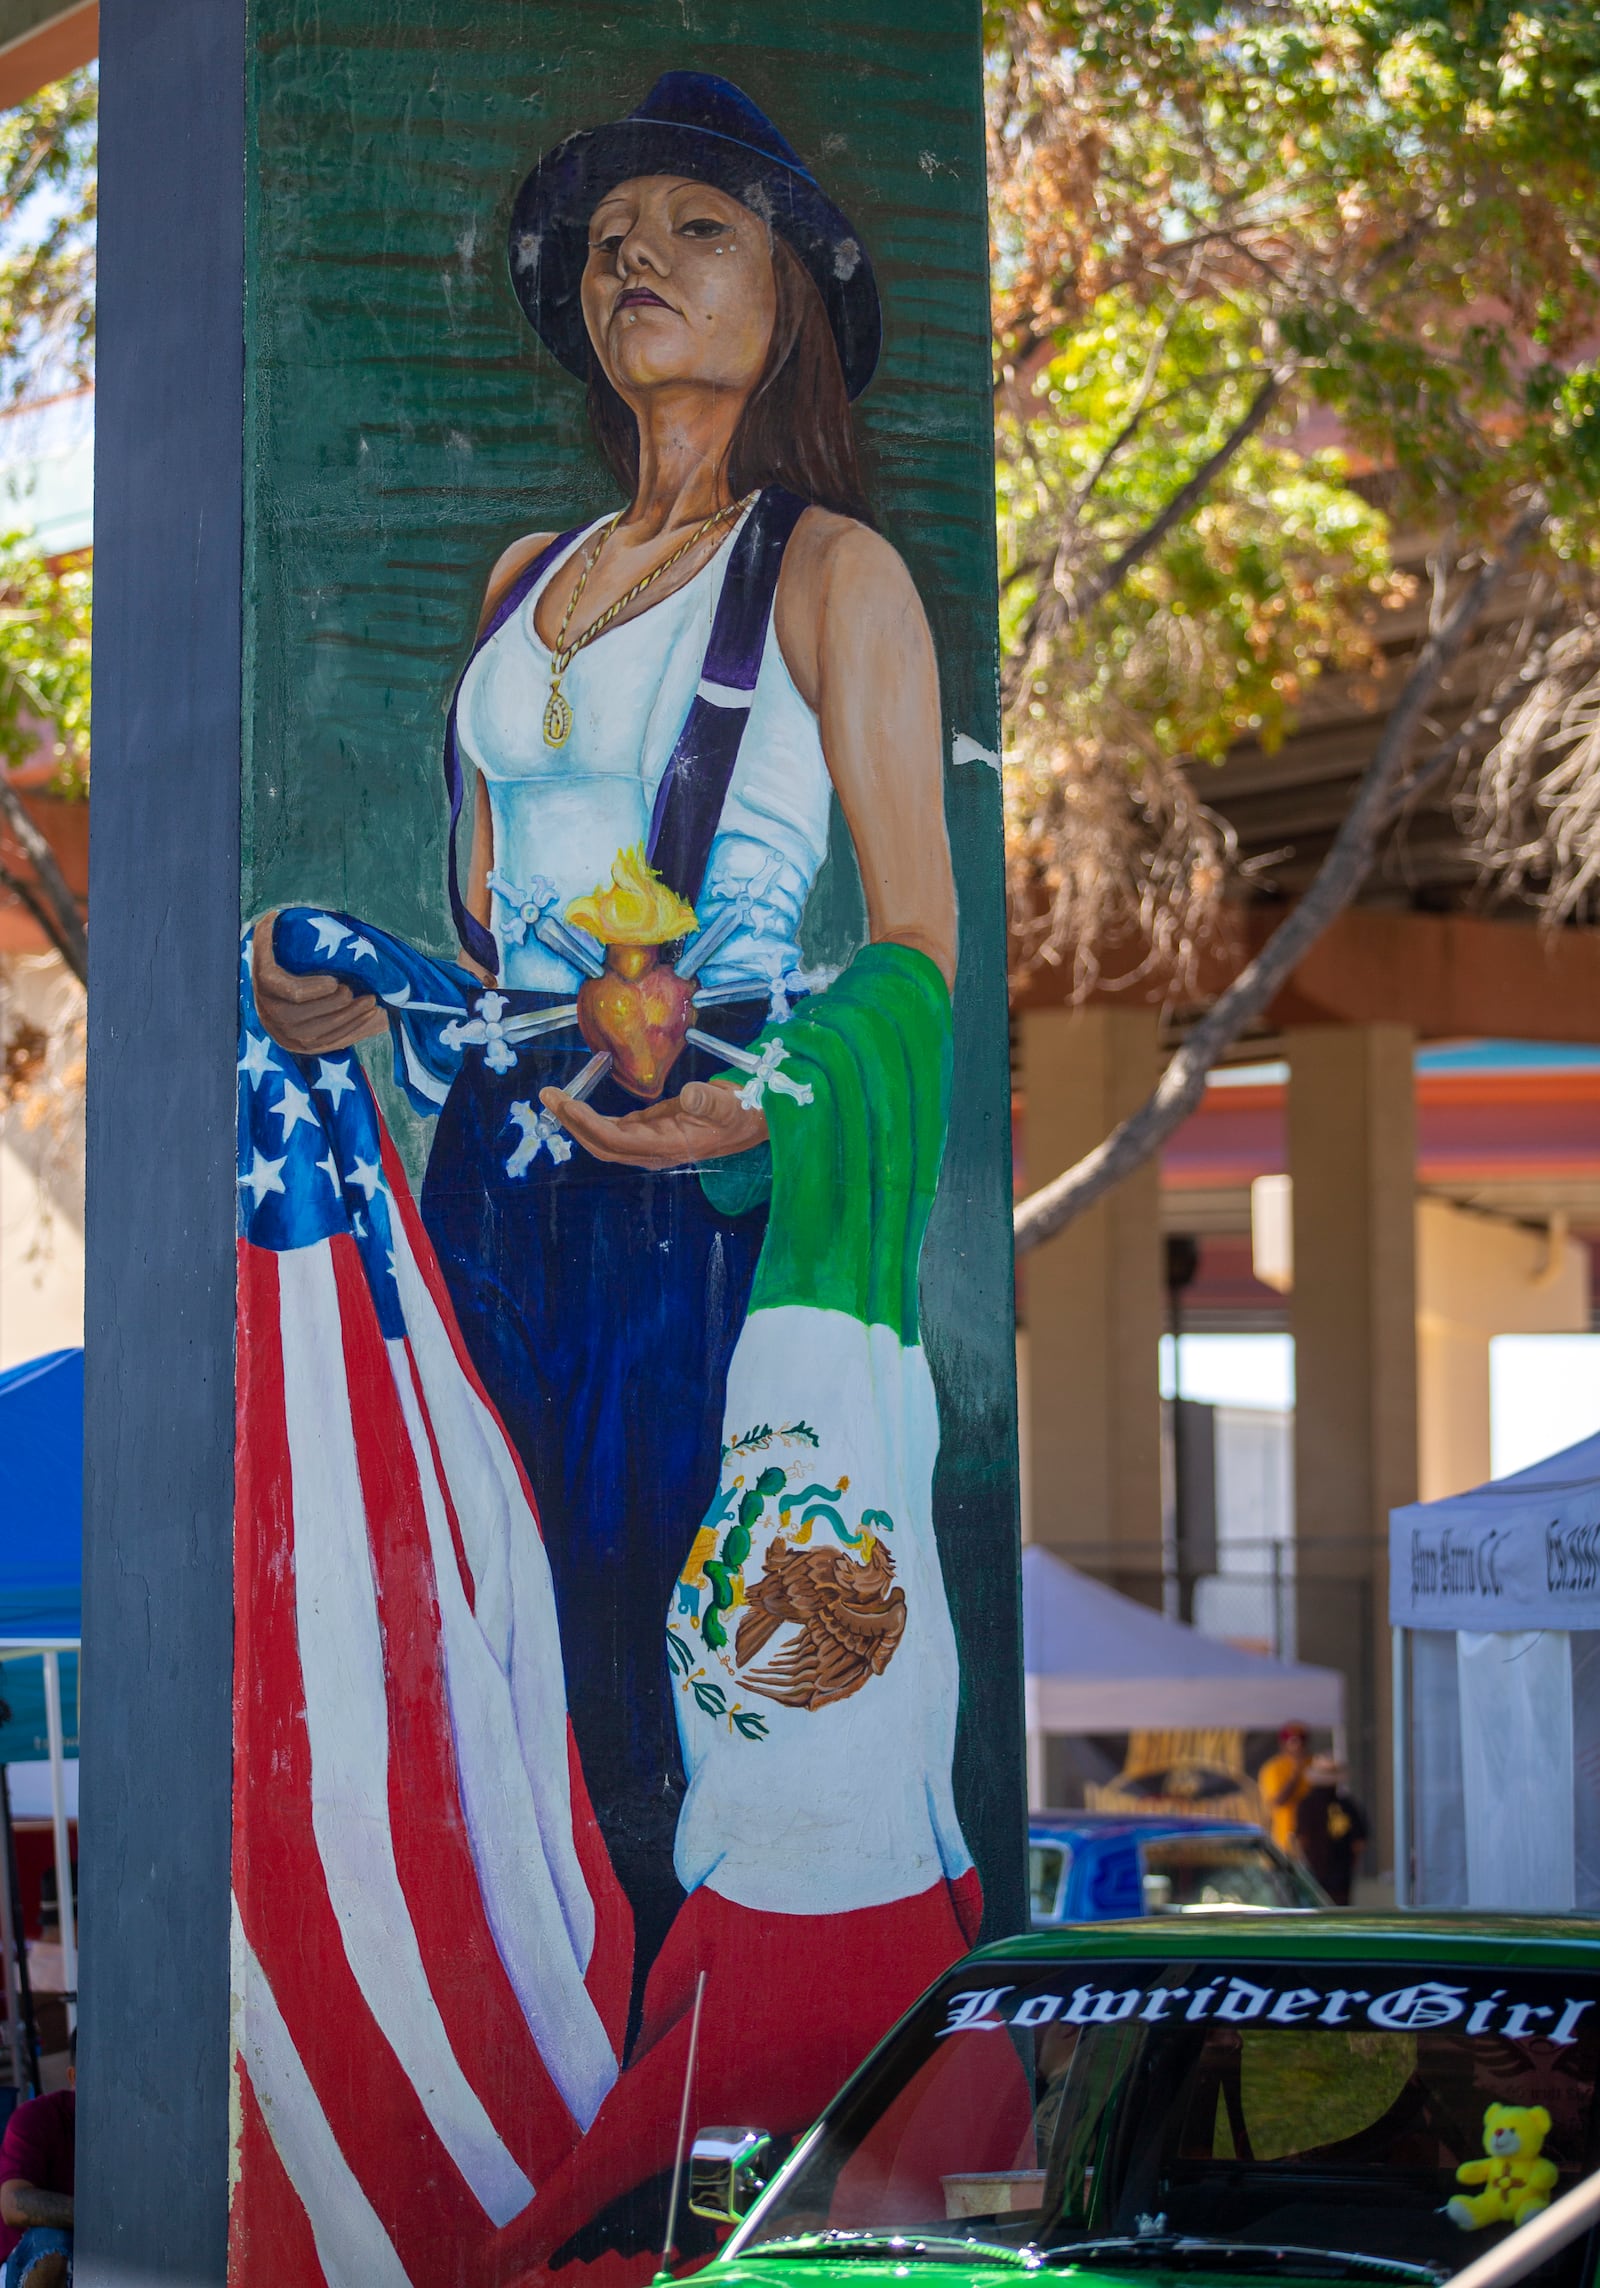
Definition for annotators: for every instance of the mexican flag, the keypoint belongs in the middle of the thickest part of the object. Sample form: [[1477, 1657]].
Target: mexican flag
[[808, 1639], [812, 1654]]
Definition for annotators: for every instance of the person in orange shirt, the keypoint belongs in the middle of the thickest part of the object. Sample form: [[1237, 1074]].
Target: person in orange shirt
[[1282, 1780]]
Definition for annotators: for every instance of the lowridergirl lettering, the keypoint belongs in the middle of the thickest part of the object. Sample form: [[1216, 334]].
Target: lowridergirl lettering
[[1418, 2006]]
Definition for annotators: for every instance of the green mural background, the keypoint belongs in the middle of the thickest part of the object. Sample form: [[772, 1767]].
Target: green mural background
[[403, 425]]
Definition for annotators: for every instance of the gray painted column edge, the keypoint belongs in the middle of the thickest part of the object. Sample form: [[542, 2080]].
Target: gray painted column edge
[[164, 899]]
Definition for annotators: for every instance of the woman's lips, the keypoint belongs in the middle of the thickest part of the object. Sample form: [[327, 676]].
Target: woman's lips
[[640, 297]]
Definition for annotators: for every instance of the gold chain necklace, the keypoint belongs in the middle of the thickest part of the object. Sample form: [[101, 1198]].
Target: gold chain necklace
[[557, 711]]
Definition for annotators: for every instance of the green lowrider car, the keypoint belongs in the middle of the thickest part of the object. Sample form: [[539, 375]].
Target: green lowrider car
[[1230, 2100]]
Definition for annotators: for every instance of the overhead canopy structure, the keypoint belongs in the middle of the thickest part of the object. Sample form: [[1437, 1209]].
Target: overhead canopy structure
[[1495, 1598], [1098, 1662]]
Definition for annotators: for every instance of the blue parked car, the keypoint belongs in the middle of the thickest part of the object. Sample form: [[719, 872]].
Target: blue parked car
[[1099, 1866]]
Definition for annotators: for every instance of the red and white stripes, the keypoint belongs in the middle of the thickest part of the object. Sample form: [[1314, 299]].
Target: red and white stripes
[[432, 1955]]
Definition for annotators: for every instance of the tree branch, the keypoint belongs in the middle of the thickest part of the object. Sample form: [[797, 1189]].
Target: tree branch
[[1056, 610], [1144, 392], [1508, 693], [22, 889], [1178, 1093], [52, 904]]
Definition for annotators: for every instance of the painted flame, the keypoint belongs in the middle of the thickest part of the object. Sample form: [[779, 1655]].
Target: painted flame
[[635, 907]]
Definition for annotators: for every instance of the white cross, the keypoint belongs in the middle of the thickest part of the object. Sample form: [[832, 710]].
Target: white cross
[[764, 1074], [486, 1028], [763, 1069], [783, 984], [538, 1130], [736, 914], [526, 907]]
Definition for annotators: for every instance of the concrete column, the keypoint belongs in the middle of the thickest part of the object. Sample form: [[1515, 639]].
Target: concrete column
[[1093, 1298], [1352, 1154]]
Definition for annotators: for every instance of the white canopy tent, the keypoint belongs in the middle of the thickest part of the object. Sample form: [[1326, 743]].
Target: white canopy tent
[[1494, 1596], [1097, 1662]]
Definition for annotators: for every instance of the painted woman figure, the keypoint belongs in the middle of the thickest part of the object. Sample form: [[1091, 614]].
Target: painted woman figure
[[675, 1201]]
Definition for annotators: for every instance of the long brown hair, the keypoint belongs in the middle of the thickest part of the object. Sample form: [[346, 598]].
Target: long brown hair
[[797, 429]]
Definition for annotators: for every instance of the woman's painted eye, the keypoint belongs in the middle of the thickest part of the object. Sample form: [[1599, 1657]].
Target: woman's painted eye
[[706, 226], [606, 245]]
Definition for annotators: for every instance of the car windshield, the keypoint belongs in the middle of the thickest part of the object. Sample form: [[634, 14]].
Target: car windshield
[[1189, 1871], [1304, 2118]]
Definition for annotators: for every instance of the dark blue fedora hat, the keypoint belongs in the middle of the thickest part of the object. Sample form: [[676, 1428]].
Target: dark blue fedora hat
[[689, 124]]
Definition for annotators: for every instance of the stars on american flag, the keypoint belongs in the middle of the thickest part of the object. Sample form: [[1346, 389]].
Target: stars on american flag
[[263, 1176], [330, 934], [368, 1174], [293, 1107], [333, 1079], [311, 1168], [257, 1060]]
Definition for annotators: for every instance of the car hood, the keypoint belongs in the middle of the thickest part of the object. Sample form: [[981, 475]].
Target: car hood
[[801, 2271], [811, 2270]]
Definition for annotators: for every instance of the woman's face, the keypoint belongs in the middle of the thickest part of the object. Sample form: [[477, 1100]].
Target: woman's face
[[678, 287]]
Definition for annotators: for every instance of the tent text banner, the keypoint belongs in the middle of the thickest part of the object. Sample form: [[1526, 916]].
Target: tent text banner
[[1520, 1553]]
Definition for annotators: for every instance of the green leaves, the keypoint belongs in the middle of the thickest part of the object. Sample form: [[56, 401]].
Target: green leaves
[[48, 200], [47, 237], [46, 611], [1392, 206]]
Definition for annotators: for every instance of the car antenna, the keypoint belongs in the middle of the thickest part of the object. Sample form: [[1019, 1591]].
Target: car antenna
[[665, 2272]]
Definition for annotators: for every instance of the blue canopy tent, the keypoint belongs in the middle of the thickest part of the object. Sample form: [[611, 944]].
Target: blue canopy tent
[[41, 1591], [41, 1542]]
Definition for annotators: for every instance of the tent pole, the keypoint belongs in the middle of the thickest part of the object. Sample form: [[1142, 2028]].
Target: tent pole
[[8, 1939], [58, 1817], [1038, 1796], [13, 1890], [1401, 1720]]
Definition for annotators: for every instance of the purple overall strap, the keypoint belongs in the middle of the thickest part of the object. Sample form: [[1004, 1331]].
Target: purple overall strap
[[695, 782], [477, 940]]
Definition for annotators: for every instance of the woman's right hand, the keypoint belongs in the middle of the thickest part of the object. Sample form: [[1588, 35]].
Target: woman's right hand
[[309, 1016]]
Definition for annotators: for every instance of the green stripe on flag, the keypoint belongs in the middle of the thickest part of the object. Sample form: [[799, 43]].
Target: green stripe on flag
[[854, 1171]]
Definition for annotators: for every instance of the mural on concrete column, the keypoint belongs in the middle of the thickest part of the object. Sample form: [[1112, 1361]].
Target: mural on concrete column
[[593, 1632]]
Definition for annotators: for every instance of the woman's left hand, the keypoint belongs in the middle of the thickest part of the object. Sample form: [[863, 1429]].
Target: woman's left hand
[[705, 1121]]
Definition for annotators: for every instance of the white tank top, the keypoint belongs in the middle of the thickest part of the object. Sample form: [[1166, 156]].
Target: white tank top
[[561, 814]]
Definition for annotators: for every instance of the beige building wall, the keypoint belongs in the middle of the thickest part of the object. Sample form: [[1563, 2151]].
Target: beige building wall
[[1479, 1276], [41, 1158]]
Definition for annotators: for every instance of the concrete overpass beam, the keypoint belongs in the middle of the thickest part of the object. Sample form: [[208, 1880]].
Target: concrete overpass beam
[[1093, 1298], [1352, 1154]]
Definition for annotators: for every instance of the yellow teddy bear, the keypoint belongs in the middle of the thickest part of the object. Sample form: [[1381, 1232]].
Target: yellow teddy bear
[[1517, 2182]]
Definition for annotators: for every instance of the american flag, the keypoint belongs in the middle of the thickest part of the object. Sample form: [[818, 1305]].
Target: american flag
[[431, 1953]]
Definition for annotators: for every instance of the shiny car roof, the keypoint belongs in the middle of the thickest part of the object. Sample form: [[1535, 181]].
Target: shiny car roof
[[1556, 1942], [1101, 1826]]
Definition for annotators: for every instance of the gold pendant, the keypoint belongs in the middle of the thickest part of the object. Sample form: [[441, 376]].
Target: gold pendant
[[557, 718]]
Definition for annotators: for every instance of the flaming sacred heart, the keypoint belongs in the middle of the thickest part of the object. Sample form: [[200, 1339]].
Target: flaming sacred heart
[[640, 1010], [637, 1007]]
